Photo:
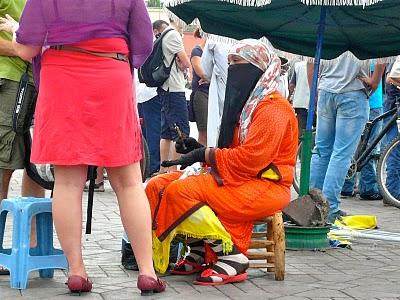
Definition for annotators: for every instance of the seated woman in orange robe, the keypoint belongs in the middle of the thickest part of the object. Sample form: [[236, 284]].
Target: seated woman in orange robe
[[249, 177]]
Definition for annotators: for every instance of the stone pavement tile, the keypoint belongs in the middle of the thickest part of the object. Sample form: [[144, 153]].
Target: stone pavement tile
[[134, 293], [210, 296], [318, 292], [65, 296], [293, 298], [300, 278], [338, 278], [364, 292], [39, 292], [281, 288], [235, 291], [335, 286], [9, 293]]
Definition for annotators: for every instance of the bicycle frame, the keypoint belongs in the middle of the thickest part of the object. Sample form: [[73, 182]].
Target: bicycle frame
[[363, 157]]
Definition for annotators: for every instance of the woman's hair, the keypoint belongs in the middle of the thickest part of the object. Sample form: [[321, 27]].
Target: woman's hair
[[198, 33]]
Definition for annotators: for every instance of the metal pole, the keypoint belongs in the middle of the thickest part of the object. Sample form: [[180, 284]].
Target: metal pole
[[92, 170], [307, 135]]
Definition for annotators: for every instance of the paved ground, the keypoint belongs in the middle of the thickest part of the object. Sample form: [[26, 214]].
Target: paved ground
[[371, 270]]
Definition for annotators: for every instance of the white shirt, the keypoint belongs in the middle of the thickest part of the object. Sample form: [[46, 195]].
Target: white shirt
[[143, 92], [215, 65], [301, 96]]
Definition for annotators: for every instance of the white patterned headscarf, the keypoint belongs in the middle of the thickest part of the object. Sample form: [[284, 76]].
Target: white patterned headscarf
[[262, 56]]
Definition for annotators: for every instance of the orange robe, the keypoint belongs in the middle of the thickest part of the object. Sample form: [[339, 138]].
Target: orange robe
[[234, 189]]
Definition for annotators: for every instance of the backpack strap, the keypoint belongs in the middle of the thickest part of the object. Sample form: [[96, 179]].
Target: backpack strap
[[161, 38]]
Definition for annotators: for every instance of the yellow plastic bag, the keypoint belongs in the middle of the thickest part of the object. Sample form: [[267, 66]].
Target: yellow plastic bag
[[202, 224], [357, 222]]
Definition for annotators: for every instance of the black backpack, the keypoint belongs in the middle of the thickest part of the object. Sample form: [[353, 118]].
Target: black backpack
[[154, 73]]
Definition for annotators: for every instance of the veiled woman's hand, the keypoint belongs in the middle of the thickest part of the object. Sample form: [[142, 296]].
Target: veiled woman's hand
[[186, 145], [8, 24]]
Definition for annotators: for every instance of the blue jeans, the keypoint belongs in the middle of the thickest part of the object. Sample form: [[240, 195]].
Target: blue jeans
[[340, 122], [368, 182], [393, 161], [150, 111]]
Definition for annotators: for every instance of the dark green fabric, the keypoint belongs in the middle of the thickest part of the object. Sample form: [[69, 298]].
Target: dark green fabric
[[370, 32]]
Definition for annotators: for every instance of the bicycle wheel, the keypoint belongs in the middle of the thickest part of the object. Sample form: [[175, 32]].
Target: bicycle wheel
[[388, 173]]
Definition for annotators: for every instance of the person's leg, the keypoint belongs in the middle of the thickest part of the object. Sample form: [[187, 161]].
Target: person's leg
[[5, 182], [5, 177], [301, 115], [151, 111], [348, 187], [127, 184], [229, 267], [165, 137], [165, 148], [368, 181], [200, 106], [178, 115], [67, 214], [30, 188], [352, 114], [324, 139]]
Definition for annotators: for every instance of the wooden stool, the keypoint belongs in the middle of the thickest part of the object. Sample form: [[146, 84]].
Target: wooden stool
[[274, 246]]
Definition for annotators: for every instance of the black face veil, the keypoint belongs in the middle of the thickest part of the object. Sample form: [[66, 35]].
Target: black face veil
[[242, 79]]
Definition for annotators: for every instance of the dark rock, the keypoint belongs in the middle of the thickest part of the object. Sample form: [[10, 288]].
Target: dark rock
[[309, 210]]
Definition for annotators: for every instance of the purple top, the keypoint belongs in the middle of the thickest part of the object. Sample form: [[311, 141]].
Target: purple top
[[60, 22]]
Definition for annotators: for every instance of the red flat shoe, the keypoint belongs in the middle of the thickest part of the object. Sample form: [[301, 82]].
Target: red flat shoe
[[78, 284], [148, 285]]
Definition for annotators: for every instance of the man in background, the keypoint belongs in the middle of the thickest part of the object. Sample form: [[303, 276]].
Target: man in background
[[13, 149]]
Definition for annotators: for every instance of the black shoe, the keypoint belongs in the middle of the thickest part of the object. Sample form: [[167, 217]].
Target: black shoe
[[337, 215], [348, 194], [371, 197], [128, 260]]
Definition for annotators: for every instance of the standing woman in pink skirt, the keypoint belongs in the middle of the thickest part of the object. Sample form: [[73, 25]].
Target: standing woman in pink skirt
[[85, 114]]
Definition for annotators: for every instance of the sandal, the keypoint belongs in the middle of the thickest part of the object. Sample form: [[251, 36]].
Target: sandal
[[206, 278], [4, 271], [180, 269]]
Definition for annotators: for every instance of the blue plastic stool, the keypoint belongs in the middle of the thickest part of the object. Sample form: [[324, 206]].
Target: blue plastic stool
[[20, 260]]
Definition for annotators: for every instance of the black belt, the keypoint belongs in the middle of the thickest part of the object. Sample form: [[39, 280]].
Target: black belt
[[113, 55]]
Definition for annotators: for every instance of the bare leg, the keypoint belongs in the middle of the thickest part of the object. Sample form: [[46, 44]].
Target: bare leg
[[5, 177], [5, 182], [202, 138], [135, 213], [165, 148], [67, 214], [30, 188], [100, 176]]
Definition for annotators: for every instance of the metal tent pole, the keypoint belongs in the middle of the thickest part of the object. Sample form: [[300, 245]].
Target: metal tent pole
[[307, 135]]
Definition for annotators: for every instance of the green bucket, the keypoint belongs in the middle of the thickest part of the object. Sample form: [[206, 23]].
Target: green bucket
[[306, 238]]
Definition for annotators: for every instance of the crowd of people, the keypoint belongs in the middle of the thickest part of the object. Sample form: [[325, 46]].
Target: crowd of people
[[244, 103]]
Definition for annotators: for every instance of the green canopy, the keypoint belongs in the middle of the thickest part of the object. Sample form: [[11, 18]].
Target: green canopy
[[367, 31]]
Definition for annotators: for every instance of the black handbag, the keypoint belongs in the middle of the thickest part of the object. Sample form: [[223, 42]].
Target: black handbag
[[24, 105]]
